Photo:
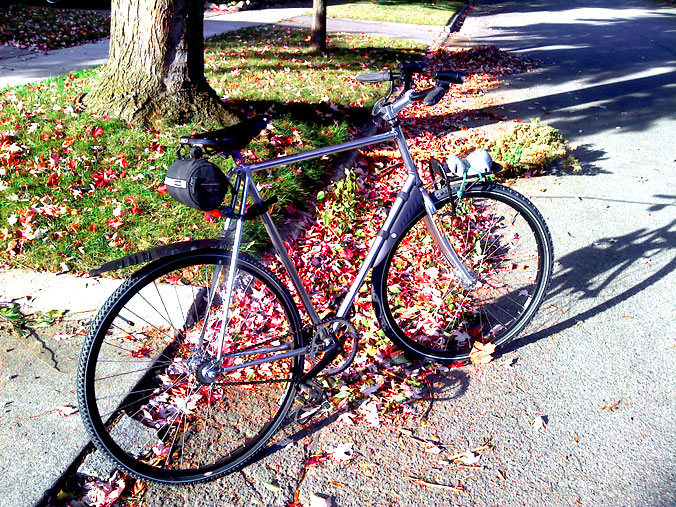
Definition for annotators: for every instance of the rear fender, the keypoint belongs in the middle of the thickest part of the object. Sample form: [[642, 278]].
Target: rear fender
[[158, 252]]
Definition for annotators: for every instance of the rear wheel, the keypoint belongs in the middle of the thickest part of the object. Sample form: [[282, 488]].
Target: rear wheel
[[149, 401], [418, 297]]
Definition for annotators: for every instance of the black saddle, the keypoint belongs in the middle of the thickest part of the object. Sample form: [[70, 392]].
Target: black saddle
[[233, 138]]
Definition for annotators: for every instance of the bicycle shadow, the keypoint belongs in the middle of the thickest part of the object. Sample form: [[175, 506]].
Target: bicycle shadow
[[442, 388], [623, 266]]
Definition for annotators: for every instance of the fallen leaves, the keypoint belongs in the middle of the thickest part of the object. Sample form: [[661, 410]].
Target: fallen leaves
[[481, 353], [342, 452], [66, 410], [43, 28], [320, 501], [612, 407], [539, 423], [105, 493], [271, 487]]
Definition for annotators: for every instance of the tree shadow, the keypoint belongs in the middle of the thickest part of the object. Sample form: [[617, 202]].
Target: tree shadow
[[321, 113], [601, 68]]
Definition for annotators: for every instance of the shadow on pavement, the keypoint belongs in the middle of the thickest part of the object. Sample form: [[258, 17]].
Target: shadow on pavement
[[614, 62], [625, 263]]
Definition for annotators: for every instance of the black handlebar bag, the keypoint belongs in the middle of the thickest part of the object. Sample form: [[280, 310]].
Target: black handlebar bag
[[197, 183]]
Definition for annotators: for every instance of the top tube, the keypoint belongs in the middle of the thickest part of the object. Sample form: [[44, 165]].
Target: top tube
[[319, 152]]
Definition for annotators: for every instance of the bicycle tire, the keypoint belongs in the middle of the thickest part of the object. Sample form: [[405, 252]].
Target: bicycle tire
[[417, 297], [165, 424]]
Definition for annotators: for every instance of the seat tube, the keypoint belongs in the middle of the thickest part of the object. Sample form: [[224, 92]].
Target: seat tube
[[232, 271]]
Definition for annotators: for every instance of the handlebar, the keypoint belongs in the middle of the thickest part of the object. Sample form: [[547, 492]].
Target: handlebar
[[375, 77], [404, 75]]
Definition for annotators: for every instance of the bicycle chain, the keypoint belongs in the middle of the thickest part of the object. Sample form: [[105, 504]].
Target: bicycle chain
[[321, 323]]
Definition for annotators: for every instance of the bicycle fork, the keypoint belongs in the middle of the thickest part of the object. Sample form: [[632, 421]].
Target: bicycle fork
[[467, 277]]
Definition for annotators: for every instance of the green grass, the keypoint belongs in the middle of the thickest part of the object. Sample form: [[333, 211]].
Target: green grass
[[417, 12], [78, 189], [43, 28]]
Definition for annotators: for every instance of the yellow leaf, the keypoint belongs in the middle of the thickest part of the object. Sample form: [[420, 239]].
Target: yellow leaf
[[482, 353]]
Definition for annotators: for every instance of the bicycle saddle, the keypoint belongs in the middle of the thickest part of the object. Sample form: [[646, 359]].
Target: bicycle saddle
[[231, 138]]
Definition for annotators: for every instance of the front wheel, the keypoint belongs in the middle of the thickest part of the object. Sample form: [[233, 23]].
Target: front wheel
[[150, 400], [418, 298]]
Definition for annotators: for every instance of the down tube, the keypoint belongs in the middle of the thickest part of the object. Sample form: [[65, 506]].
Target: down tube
[[376, 246], [286, 261]]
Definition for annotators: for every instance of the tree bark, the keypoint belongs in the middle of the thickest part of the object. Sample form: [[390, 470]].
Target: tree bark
[[155, 69], [318, 38]]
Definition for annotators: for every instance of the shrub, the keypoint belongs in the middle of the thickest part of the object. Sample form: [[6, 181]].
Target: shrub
[[528, 147]]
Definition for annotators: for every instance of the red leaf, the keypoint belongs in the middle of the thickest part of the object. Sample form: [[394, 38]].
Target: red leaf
[[346, 253], [53, 180], [66, 410], [162, 189], [114, 223], [97, 131]]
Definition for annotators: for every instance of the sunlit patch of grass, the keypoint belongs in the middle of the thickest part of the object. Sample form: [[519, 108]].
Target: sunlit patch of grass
[[77, 189], [417, 12]]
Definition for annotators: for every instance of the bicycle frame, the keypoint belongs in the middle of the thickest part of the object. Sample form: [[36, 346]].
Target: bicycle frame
[[411, 197]]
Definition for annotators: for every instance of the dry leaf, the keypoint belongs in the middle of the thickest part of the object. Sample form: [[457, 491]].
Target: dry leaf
[[455, 489], [538, 423], [271, 487], [612, 407], [341, 452], [468, 458], [433, 448], [320, 501], [482, 353], [66, 410]]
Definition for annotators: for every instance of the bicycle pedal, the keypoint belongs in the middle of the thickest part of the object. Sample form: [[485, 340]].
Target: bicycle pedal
[[309, 392], [304, 414]]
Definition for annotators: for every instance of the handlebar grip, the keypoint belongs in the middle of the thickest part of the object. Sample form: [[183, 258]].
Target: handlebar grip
[[418, 66], [375, 77], [436, 94], [451, 76]]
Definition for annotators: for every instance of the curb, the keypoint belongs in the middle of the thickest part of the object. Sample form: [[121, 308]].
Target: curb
[[455, 23]]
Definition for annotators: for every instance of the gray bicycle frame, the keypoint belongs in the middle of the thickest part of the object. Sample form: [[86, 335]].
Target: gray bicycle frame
[[387, 112]]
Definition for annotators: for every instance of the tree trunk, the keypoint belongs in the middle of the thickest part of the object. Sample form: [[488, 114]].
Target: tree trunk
[[318, 39], [155, 69]]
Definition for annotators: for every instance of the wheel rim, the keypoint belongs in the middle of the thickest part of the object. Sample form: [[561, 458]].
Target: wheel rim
[[427, 307], [144, 402]]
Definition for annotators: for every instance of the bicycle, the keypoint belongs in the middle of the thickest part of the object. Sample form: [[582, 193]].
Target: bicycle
[[194, 362]]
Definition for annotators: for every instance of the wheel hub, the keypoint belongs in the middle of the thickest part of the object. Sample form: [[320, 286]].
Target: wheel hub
[[207, 372]]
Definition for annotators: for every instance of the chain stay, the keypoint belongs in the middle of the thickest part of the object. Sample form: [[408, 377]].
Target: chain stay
[[313, 349]]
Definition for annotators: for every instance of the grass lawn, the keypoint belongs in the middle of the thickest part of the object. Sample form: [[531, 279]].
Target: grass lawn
[[417, 12], [78, 189], [43, 28]]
